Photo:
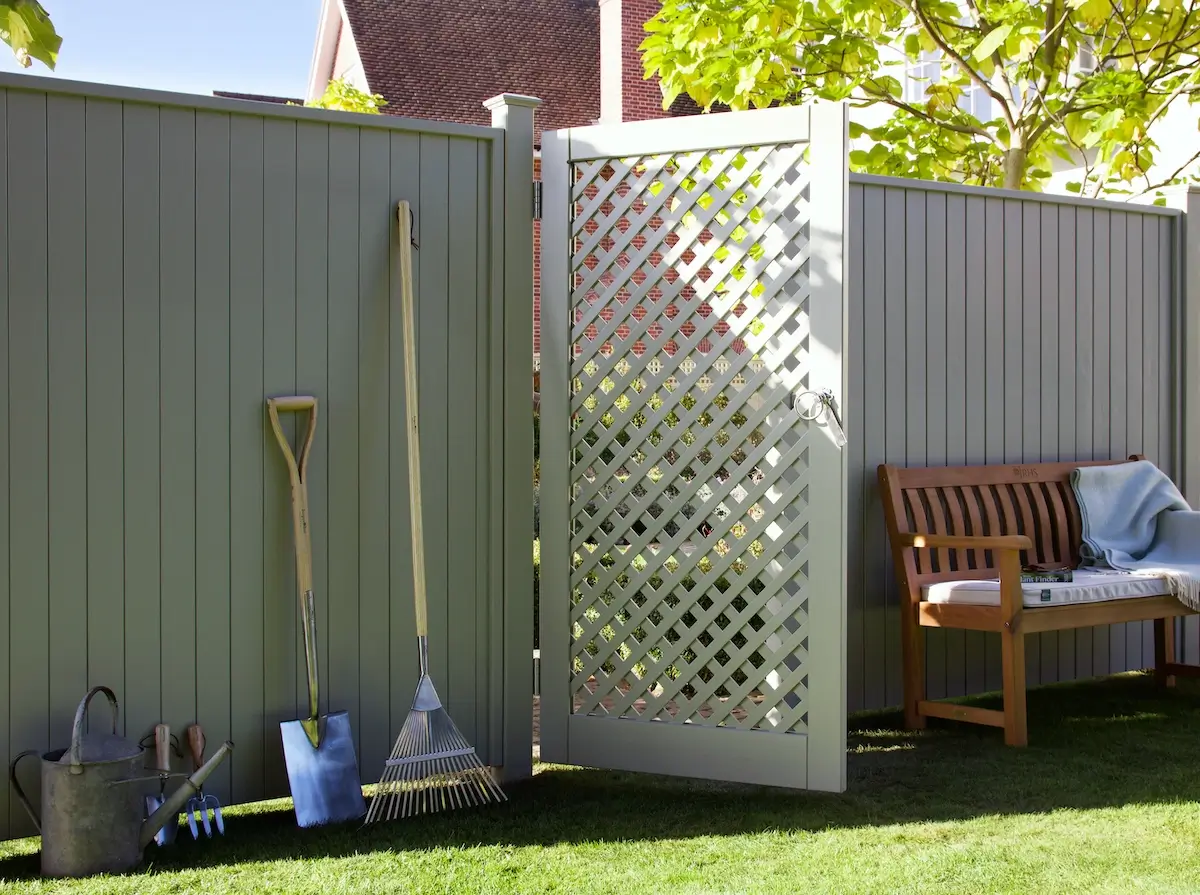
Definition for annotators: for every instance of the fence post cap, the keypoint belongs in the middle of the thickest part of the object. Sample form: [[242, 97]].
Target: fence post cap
[[511, 99]]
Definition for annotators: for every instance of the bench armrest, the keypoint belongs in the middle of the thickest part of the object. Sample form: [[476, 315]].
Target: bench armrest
[[999, 542]]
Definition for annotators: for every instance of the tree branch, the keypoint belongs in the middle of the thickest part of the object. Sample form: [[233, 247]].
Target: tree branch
[[914, 6], [968, 129], [1167, 181], [1051, 42]]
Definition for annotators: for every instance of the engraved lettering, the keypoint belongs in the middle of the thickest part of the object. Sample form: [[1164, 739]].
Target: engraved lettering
[[1026, 472]]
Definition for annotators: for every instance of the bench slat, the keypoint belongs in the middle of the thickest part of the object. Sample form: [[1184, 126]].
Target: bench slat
[[933, 497]]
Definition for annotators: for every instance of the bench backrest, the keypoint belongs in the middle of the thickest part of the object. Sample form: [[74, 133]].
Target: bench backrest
[[1033, 499]]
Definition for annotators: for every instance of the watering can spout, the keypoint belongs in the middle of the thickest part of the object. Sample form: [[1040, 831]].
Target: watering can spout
[[171, 808]]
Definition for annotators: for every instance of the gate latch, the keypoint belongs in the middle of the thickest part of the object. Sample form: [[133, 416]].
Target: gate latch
[[820, 405]]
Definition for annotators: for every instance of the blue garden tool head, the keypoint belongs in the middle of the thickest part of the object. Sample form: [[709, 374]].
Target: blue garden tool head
[[324, 780]]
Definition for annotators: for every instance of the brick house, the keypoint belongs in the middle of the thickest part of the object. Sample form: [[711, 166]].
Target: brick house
[[440, 59]]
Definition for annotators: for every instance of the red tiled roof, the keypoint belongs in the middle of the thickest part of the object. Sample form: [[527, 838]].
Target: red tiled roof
[[442, 58]]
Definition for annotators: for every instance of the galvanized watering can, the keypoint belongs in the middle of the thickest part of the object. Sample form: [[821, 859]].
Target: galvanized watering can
[[92, 804]]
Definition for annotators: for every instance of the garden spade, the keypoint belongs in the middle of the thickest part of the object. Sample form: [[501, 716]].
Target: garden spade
[[319, 749]]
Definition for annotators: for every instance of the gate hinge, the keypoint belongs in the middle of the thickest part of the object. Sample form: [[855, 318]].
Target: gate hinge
[[537, 200]]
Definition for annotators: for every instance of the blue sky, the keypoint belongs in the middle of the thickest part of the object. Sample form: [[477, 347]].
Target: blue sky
[[250, 46]]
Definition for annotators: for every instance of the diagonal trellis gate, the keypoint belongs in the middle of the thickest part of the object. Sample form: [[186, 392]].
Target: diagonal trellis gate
[[693, 546]]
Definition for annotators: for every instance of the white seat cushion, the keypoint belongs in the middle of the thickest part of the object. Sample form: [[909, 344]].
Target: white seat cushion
[[1089, 586]]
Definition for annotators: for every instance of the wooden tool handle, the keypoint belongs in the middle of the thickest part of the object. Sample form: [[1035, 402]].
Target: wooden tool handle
[[162, 747], [408, 325], [298, 475], [195, 738], [291, 403]]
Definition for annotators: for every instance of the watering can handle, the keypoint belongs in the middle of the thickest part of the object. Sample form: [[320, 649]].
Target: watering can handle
[[77, 729], [16, 785]]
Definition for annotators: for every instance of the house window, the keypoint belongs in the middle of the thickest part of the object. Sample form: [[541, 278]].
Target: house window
[[927, 70]]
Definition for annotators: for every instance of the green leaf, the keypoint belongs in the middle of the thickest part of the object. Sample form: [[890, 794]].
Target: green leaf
[[991, 42], [1074, 186], [26, 27], [912, 46]]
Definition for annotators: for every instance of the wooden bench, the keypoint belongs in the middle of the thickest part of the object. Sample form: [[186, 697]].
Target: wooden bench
[[989, 522]]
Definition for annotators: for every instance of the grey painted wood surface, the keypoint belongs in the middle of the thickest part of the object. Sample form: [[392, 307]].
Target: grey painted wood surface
[[164, 269], [988, 327]]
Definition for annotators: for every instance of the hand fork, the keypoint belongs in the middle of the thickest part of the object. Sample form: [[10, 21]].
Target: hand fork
[[198, 805]]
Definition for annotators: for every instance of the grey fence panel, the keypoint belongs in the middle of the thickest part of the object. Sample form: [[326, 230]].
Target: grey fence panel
[[998, 327], [166, 263], [6, 750]]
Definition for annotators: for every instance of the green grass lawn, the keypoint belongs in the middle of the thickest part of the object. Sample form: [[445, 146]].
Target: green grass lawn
[[1107, 799]]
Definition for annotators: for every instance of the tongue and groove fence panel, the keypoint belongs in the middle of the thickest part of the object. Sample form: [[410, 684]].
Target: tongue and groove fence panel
[[167, 262], [988, 326]]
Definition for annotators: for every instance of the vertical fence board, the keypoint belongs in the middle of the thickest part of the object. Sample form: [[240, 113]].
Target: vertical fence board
[[461, 440], [1085, 222], [376, 231], [213, 457], [341, 421], [874, 450], [143, 612], [312, 377], [433, 345], [1042, 437], [981, 357], [895, 425], [918, 320], [177, 421], [1101, 396], [483, 160], [28, 254], [1064, 341], [956, 373], [996, 348], [1030, 382], [247, 439], [6, 746], [279, 649], [1120, 636], [105, 455], [861, 479], [405, 184], [1137, 633], [67, 309]]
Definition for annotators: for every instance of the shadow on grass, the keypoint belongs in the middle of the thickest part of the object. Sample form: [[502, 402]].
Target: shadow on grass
[[1096, 744]]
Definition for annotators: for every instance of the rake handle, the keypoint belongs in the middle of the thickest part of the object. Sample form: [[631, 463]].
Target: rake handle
[[408, 326]]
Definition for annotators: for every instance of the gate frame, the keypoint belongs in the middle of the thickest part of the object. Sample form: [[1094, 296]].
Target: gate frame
[[825, 128]]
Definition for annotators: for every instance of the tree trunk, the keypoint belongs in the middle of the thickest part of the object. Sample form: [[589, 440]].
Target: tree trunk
[[1015, 160]]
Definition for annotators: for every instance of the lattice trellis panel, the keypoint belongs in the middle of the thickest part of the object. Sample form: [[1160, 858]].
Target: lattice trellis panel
[[689, 467]]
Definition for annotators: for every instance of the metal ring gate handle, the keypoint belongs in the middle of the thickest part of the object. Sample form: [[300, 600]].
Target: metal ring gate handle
[[822, 404], [818, 407]]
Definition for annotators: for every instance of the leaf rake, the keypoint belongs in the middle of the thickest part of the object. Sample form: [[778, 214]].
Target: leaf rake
[[432, 766]]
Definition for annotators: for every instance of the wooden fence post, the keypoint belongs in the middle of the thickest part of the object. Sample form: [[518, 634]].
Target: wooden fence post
[[515, 319]]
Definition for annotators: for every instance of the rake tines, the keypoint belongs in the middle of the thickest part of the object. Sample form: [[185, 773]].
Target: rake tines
[[432, 768]]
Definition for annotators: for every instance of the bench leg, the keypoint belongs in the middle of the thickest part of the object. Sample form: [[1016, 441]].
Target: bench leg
[[1164, 651], [912, 656], [1012, 651]]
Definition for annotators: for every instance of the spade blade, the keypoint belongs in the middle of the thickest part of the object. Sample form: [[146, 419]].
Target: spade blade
[[325, 785]]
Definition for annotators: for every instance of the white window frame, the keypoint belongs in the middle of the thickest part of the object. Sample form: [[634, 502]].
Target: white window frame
[[927, 69]]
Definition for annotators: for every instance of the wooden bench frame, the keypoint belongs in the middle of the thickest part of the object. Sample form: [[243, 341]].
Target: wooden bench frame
[[987, 522]]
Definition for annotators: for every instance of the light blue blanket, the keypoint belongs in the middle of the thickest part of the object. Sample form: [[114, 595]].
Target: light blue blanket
[[1135, 519]]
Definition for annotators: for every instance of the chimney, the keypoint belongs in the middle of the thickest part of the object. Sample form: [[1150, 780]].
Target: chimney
[[624, 94]]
